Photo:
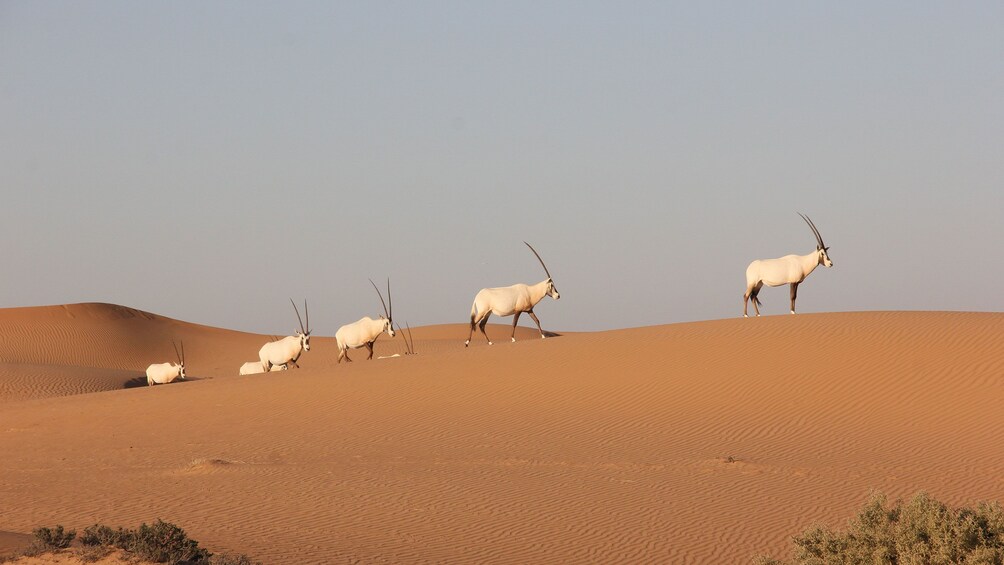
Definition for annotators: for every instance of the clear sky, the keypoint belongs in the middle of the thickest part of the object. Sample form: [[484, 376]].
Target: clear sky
[[209, 160]]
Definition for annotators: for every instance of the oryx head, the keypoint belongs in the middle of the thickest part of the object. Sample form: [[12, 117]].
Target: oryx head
[[304, 333], [821, 248], [388, 317], [181, 359], [552, 290]]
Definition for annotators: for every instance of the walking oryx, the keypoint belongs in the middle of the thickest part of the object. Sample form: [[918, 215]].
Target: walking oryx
[[511, 301], [790, 269], [163, 373], [364, 332], [288, 349]]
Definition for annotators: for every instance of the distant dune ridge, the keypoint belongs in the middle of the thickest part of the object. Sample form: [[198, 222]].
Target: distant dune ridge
[[701, 442]]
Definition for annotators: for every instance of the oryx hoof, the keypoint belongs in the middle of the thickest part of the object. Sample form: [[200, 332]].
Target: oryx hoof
[[490, 343], [792, 311], [466, 343], [514, 340], [542, 336], [746, 315]]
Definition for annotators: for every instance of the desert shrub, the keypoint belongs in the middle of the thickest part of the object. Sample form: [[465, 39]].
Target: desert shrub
[[922, 531], [163, 542], [99, 534], [50, 539], [160, 542]]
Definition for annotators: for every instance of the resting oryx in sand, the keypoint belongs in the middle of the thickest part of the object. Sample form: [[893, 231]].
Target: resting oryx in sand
[[364, 332], [288, 349], [511, 301], [255, 367], [163, 373], [790, 269]]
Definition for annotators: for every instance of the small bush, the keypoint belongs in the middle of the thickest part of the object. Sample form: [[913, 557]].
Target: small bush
[[160, 542], [99, 534], [163, 542], [921, 531], [51, 539]]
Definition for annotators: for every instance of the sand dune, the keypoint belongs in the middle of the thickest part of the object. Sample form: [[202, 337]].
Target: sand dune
[[686, 443]]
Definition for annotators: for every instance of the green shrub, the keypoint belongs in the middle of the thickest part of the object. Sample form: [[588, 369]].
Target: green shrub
[[49, 539], [163, 542], [160, 542], [923, 531], [99, 534]]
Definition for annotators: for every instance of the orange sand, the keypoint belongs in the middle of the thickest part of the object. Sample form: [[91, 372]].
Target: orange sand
[[606, 447]]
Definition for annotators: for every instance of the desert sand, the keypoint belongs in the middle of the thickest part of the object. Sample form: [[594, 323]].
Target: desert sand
[[702, 442]]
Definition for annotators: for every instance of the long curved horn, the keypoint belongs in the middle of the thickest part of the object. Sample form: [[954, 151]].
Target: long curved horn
[[176, 354], [815, 232], [307, 314], [182, 352], [385, 311], [390, 302], [539, 259], [411, 338], [302, 329]]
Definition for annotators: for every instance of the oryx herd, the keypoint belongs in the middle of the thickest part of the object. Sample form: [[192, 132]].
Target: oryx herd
[[278, 355]]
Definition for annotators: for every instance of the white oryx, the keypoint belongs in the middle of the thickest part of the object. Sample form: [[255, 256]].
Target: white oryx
[[254, 368], [366, 331], [163, 373], [790, 269], [511, 301], [288, 349]]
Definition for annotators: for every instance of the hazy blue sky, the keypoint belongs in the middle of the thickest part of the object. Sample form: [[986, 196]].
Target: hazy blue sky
[[209, 160]]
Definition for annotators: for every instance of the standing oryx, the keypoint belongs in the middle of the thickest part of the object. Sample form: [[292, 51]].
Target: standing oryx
[[790, 269], [163, 373], [366, 331], [511, 301], [288, 349]]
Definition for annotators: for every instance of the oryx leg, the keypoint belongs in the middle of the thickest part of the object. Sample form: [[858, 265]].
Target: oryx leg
[[515, 318], [534, 316], [369, 346], [483, 323], [794, 293], [470, 335], [343, 354], [753, 297], [746, 298], [291, 361]]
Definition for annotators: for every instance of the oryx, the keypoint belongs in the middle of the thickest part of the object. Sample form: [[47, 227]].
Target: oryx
[[364, 332], [511, 301], [163, 373], [287, 350], [790, 269]]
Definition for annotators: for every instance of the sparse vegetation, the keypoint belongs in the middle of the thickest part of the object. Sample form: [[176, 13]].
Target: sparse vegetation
[[922, 531], [160, 542], [50, 539]]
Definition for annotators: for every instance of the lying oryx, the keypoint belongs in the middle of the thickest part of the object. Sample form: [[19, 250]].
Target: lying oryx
[[255, 367], [288, 349], [366, 331], [163, 373], [790, 269], [511, 301]]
